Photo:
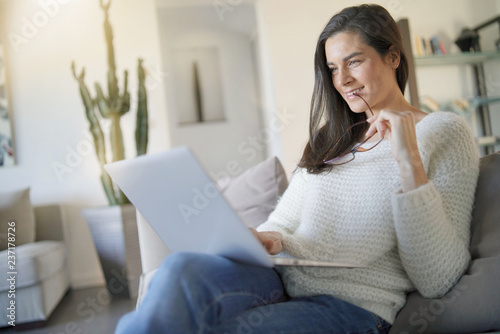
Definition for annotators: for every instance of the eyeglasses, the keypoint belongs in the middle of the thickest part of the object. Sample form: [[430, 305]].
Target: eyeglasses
[[364, 146]]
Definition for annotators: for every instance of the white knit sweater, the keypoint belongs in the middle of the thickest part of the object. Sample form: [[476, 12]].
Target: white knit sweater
[[358, 214]]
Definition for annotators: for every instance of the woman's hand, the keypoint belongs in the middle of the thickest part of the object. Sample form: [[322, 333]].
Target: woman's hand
[[272, 241], [399, 128]]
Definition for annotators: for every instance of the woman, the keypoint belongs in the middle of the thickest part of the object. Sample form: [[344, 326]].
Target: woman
[[380, 183]]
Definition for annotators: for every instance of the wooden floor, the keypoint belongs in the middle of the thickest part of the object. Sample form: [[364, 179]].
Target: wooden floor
[[83, 311]]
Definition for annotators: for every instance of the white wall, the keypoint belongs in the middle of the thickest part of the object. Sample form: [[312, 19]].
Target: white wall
[[293, 27], [48, 115]]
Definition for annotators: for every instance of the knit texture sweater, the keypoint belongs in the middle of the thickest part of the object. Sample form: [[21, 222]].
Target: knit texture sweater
[[358, 214]]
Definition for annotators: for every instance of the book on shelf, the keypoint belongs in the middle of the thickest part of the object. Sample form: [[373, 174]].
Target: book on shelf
[[461, 105], [429, 104], [429, 46]]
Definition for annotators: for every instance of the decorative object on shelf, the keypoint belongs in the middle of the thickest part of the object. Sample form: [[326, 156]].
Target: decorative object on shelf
[[198, 91], [468, 41], [6, 150], [114, 228]]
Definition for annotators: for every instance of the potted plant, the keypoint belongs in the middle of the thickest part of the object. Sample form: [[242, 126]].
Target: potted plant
[[114, 227]]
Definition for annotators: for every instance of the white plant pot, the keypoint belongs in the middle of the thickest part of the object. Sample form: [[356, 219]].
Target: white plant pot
[[114, 230]]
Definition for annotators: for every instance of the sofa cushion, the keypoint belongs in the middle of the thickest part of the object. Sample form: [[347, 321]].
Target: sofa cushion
[[15, 206], [473, 305], [35, 262], [255, 193]]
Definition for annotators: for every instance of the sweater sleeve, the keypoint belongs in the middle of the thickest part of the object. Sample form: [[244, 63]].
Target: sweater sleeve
[[286, 218], [432, 222]]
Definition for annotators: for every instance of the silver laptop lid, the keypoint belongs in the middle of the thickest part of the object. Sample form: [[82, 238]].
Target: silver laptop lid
[[183, 205]]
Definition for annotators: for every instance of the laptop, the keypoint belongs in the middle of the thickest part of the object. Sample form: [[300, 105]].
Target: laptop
[[183, 205]]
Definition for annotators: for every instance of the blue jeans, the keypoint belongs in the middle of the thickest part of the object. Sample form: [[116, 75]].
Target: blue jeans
[[198, 293]]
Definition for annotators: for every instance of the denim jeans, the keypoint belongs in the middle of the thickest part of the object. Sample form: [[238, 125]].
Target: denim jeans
[[199, 293]]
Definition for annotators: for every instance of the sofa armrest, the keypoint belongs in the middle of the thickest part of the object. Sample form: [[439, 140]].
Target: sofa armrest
[[49, 222], [144, 286], [153, 250]]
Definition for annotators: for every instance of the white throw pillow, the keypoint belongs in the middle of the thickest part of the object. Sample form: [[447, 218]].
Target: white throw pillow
[[255, 193]]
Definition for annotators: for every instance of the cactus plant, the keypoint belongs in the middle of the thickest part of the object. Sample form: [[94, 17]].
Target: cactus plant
[[112, 107]]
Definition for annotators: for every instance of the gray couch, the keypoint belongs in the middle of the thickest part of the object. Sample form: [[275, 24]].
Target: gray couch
[[472, 306], [42, 276]]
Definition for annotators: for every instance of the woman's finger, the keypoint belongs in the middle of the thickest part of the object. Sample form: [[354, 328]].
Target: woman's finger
[[371, 130], [273, 246], [270, 240], [379, 126], [383, 127], [372, 119]]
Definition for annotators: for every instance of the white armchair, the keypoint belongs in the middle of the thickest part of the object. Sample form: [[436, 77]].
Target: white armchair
[[42, 277]]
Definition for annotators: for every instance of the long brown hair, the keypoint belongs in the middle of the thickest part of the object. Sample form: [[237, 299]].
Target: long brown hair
[[330, 114]]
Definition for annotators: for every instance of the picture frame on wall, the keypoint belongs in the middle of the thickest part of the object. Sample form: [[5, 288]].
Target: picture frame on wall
[[7, 157]]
